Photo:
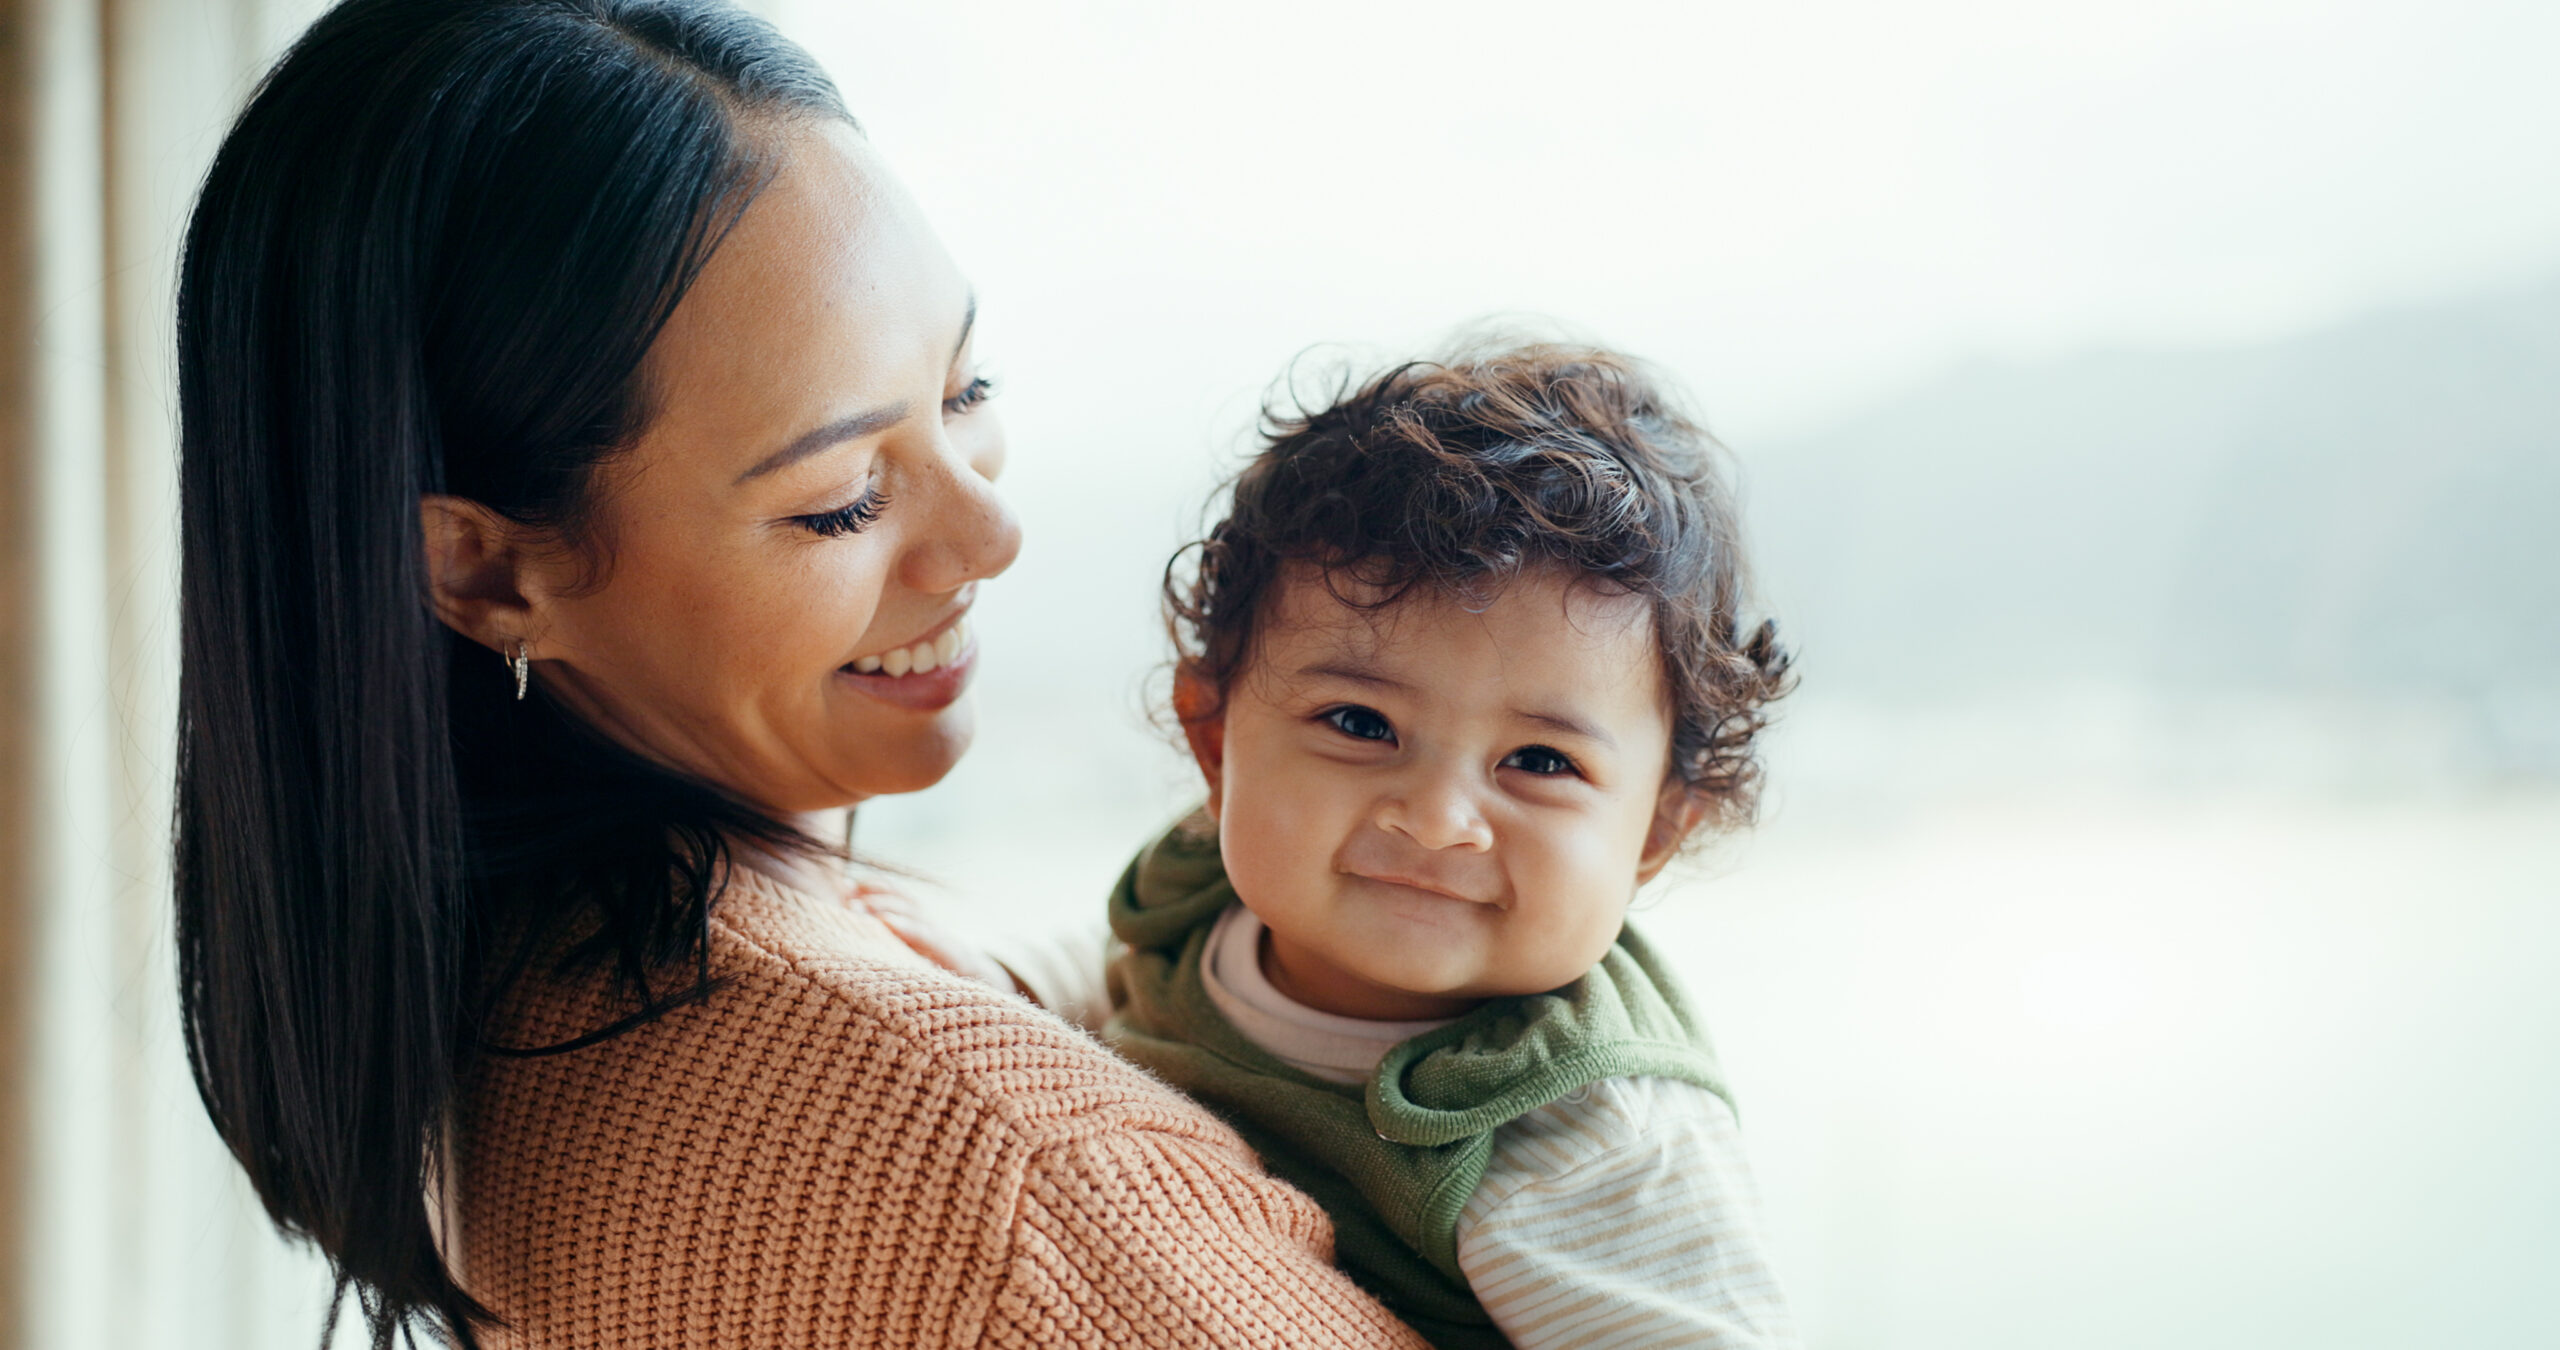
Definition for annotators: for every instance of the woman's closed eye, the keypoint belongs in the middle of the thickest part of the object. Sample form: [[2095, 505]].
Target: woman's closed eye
[[1544, 761], [972, 396], [1358, 723], [851, 518]]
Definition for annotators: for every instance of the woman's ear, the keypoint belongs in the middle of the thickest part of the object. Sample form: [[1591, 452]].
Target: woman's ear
[[476, 560], [1204, 725], [1676, 813]]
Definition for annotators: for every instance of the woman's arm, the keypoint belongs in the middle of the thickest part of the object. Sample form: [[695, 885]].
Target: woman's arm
[[1157, 1238], [1063, 971]]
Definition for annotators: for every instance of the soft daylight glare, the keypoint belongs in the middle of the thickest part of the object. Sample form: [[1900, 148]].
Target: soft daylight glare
[[2151, 450], [1793, 203]]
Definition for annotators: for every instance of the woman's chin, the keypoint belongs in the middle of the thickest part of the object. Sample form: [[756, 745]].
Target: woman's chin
[[914, 757]]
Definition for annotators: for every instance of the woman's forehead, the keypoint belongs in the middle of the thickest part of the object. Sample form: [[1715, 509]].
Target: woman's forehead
[[830, 296]]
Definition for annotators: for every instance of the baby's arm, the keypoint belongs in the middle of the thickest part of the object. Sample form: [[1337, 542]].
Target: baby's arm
[[1062, 971], [1626, 1219]]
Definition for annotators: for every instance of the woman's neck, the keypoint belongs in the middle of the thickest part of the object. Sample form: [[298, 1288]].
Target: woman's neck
[[816, 874]]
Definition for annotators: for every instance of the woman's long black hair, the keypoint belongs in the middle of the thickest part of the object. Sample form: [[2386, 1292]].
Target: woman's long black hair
[[429, 258]]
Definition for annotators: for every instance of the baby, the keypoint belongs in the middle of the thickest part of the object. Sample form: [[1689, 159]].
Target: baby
[[1463, 667]]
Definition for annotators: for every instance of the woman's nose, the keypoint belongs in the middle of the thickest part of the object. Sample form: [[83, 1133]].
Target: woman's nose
[[971, 534], [1437, 811]]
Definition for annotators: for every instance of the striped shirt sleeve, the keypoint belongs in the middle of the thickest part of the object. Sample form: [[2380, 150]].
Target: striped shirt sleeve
[[1623, 1216]]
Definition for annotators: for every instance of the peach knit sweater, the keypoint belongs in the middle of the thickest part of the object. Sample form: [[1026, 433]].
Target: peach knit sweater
[[846, 1146]]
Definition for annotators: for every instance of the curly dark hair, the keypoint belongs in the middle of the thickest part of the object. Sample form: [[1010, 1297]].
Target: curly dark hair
[[1460, 474]]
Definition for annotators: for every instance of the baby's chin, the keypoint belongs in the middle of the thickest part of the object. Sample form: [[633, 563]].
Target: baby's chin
[[1362, 962], [1418, 975]]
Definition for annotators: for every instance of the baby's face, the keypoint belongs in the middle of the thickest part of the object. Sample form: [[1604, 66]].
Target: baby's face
[[1429, 806]]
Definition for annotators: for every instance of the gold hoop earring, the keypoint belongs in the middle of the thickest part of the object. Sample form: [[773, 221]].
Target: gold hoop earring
[[523, 667]]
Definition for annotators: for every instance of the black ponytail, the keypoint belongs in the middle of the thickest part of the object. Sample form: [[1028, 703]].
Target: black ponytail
[[429, 258]]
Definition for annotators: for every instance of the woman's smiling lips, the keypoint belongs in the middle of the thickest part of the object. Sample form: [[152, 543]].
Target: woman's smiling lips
[[927, 674]]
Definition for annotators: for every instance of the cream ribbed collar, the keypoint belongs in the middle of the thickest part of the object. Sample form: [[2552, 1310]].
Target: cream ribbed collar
[[1320, 1044]]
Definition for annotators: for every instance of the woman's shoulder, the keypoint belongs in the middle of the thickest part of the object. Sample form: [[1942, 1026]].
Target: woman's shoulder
[[821, 1019], [798, 967], [837, 1121]]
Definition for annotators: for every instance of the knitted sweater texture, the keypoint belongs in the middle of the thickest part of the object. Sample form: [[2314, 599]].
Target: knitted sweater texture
[[845, 1146]]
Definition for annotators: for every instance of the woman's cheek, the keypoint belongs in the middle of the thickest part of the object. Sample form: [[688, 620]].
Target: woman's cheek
[[836, 602]]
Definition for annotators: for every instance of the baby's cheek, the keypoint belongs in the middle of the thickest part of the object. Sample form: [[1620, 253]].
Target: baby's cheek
[[1581, 896], [1263, 833]]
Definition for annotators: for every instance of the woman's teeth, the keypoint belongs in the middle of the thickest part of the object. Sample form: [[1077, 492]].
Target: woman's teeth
[[918, 659]]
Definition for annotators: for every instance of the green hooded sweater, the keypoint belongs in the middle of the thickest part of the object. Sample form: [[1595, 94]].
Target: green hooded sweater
[[1393, 1160]]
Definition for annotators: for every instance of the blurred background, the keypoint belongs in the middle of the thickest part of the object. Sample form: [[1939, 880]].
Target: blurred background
[[2149, 425]]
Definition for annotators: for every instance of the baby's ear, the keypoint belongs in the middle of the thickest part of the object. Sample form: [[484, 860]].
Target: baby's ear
[[1204, 725], [1677, 812]]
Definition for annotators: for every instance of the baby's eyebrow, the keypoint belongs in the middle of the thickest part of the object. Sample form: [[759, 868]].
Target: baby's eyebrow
[[1355, 674], [1568, 724]]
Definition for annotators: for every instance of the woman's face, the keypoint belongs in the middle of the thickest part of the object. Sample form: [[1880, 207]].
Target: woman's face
[[776, 591]]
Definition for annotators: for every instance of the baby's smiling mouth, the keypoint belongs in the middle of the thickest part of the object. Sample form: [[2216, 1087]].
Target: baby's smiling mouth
[[920, 657], [1414, 883]]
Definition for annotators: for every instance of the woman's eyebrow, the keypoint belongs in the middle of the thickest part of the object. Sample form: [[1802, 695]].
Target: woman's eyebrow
[[968, 324], [833, 433], [860, 424]]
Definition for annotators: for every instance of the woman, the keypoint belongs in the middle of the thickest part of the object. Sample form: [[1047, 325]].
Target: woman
[[586, 478]]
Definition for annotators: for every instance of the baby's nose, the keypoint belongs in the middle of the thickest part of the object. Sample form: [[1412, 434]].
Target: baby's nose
[[1436, 814]]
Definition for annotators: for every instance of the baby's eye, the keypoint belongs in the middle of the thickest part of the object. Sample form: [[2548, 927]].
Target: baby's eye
[[1538, 759], [1360, 724]]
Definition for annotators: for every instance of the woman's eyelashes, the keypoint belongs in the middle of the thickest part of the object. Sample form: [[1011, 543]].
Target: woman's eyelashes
[[971, 397], [855, 516], [851, 518], [1358, 723]]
